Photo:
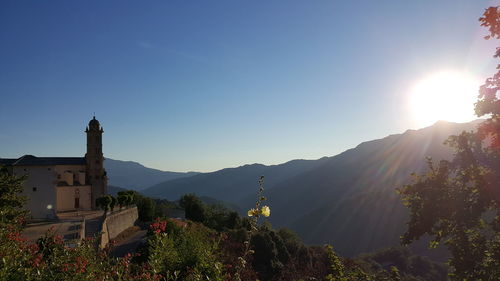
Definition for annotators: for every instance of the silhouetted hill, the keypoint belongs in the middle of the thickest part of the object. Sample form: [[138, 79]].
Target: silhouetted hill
[[132, 175], [350, 201], [231, 184], [113, 190]]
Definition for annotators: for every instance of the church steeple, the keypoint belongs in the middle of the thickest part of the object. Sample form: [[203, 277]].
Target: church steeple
[[94, 140], [96, 175]]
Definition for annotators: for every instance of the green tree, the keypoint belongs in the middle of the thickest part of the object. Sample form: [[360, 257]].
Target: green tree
[[458, 202], [104, 202], [11, 202], [146, 207], [194, 208], [126, 198], [113, 203], [341, 272]]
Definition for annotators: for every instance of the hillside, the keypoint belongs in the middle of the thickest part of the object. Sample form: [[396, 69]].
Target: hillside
[[352, 195], [336, 199], [132, 175]]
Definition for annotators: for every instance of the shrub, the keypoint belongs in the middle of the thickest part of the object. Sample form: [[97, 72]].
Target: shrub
[[187, 253]]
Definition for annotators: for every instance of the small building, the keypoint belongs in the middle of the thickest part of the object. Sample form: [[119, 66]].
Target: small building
[[59, 184]]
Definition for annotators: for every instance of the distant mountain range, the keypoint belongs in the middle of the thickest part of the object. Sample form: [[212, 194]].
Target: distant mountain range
[[132, 175], [347, 200], [231, 184]]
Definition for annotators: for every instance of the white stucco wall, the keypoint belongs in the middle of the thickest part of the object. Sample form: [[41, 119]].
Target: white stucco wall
[[66, 197], [67, 176], [40, 189], [72, 174], [74, 177]]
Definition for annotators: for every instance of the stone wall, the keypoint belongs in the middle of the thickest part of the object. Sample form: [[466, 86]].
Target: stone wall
[[117, 222]]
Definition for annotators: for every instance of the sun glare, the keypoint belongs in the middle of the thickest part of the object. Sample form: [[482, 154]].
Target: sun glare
[[446, 95]]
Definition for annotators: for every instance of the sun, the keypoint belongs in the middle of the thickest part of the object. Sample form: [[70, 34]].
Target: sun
[[445, 95]]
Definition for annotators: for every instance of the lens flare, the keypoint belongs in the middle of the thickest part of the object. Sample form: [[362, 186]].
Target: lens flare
[[446, 95]]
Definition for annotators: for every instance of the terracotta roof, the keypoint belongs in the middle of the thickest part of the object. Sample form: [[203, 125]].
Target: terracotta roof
[[30, 160]]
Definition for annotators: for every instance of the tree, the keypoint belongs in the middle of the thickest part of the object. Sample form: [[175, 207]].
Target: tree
[[125, 198], [458, 202], [146, 207], [11, 203], [193, 207], [488, 103], [113, 203], [104, 202]]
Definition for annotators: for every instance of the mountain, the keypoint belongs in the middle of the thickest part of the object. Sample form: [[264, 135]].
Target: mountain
[[113, 190], [132, 175], [351, 197], [231, 184], [347, 200]]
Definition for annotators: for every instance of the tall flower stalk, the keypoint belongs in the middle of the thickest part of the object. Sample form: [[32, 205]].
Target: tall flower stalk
[[254, 215]]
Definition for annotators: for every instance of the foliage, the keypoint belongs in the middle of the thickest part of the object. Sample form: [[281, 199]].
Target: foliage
[[341, 272], [11, 203], [50, 259], [188, 253], [163, 208], [113, 203], [454, 203], [409, 266], [126, 198], [220, 218], [146, 207], [254, 215], [216, 216], [458, 202], [271, 254], [194, 208], [489, 103], [105, 202]]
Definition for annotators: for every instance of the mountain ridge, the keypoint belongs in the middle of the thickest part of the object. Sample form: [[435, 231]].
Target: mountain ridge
[[135, 176]]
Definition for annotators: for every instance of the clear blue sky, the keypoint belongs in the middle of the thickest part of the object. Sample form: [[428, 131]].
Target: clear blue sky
[[203, 85]]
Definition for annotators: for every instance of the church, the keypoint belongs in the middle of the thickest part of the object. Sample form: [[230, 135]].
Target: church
[[61, 184]]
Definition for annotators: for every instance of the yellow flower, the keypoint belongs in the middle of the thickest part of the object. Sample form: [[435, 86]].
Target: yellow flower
[[252, 212], [265, 211]]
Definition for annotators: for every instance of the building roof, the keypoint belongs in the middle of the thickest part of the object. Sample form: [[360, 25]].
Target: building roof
[[30, 160]]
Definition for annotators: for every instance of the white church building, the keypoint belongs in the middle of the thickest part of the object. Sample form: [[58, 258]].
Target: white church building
[[60, 184]]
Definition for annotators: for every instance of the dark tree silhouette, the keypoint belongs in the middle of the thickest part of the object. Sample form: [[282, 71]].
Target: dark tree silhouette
[[458, 202], [193, 207]]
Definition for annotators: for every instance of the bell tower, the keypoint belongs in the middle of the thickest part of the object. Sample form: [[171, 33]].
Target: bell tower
[[96, 175]]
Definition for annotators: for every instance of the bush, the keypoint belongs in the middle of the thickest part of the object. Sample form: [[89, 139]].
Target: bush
[[188, 253]]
